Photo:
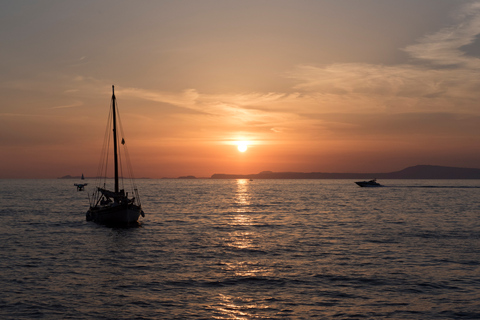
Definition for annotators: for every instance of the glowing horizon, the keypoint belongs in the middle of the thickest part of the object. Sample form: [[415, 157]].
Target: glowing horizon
[[389, 85]]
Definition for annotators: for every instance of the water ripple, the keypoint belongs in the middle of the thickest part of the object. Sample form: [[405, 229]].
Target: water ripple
[[236, 249]]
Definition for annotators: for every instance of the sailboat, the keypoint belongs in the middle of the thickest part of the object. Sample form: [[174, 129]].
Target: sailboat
[[107, 206]]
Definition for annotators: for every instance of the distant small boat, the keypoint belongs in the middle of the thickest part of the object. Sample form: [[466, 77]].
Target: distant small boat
[[114, 207], [83, 178], [80, 186], [370, 183]]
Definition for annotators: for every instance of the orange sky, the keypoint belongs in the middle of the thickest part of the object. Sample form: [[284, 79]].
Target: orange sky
[[329, 86]]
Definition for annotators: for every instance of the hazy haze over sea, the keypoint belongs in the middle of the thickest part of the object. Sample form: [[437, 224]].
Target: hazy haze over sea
[[240, 249]]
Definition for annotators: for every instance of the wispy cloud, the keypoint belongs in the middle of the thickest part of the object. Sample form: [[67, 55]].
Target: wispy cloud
[[443, 47], [72, 105], [440, 76], [239, 106]]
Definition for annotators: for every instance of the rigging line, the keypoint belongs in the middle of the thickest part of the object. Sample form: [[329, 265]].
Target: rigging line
[[132, 180], [120, 165], [127, 156], [105, 150], [107, 153], [131, 176], [119, 126], [102, 168]]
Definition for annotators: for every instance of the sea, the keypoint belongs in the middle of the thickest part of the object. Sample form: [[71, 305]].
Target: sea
[[241, 249]]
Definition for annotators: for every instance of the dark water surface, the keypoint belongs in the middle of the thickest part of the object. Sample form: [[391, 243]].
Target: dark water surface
[[239, 249]]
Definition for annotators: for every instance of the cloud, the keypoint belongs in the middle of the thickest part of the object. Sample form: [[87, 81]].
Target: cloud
[[248, 107], [443, 47], [439, 77], [427, 126], [72, 105]]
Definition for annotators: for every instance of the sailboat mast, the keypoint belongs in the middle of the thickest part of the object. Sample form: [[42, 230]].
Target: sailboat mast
[[115, 152]]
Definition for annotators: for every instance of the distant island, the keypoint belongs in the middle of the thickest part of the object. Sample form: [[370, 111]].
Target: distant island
[[79, 177], [70, 177], [415, 172]]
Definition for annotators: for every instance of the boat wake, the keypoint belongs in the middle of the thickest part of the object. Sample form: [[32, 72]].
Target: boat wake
[[434, 187]]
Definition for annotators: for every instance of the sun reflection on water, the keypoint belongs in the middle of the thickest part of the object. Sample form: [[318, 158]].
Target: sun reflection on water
[[246, 269], [241, 237], [237, 308], [240, 219], [239, 240], [242, 195]]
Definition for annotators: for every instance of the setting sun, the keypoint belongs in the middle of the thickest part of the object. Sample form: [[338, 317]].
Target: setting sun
[[242, 146]]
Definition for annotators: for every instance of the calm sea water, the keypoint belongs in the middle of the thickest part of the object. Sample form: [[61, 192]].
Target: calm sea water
[[239, 249]]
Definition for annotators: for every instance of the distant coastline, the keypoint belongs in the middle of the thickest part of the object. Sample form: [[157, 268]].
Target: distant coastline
[[79, 177], [415, 172]]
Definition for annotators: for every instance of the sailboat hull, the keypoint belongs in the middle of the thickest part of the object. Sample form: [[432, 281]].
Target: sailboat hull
[[117, 214]]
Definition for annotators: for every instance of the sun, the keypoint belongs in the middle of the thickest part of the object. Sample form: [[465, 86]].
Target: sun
[[242, 146]]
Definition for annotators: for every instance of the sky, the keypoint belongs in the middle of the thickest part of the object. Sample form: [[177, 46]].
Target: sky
[[308, 85]]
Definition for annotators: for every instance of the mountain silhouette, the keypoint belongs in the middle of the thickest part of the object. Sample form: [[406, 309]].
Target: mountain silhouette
[[415, 172]]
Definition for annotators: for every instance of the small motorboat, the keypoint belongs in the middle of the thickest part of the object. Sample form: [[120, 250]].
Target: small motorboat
[[370, 183]]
